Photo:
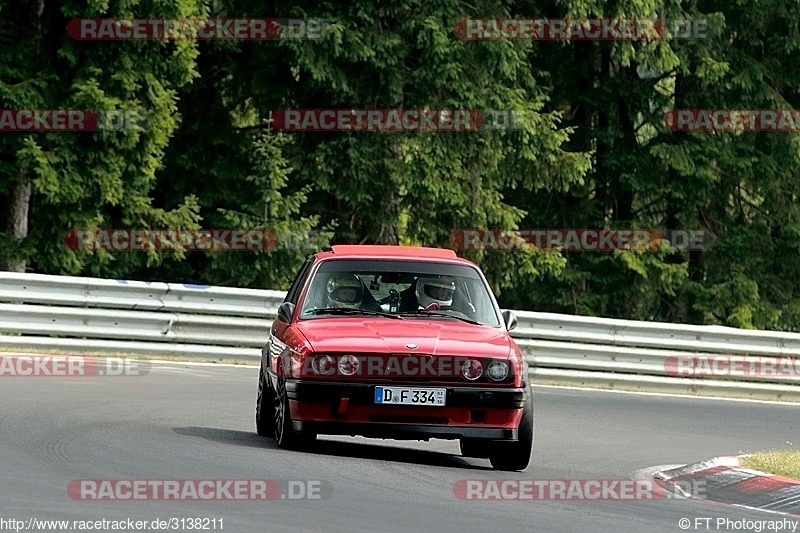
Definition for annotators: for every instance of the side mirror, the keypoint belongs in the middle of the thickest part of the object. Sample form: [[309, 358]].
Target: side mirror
[[285, 312], [510, 319]]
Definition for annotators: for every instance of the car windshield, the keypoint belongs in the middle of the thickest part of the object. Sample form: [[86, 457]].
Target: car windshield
[[410, 289]]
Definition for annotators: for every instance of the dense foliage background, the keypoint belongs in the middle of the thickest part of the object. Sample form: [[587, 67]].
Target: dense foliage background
[[597, 153]]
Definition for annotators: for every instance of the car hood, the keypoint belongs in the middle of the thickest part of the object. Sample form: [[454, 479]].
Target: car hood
[[437, 337]]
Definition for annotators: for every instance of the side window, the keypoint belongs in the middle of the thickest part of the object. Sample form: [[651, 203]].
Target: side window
[[299, 281]]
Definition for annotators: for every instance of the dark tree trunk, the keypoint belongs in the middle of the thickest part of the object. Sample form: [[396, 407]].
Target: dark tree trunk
[[17, 222]]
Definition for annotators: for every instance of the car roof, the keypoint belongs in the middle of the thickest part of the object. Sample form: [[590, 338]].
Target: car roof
[[383, 251]]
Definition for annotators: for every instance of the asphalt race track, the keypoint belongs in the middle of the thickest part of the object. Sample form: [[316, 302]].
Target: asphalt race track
[[196, 422]]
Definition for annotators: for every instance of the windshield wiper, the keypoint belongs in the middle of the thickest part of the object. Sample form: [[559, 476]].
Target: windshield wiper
[[443, 315], [349, 311]]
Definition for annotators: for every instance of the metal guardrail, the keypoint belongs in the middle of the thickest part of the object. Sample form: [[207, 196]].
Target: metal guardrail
[[95, 316], [89, 315]]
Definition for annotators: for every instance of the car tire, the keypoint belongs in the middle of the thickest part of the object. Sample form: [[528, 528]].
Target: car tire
[[516, 455], [286, 436], [265, 407]]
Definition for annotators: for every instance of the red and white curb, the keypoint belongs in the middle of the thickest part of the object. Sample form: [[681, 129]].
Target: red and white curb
[[723, 480]]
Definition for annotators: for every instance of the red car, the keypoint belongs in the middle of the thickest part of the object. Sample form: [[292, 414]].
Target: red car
[[396, 342]]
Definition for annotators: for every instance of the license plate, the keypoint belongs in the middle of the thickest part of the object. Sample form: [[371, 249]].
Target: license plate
[[409, 396]]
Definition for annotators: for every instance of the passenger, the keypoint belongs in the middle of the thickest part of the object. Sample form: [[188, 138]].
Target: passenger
[[435, 292]]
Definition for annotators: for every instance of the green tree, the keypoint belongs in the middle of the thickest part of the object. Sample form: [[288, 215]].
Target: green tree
[[740, 186], [58, 181], [390, 187], [241, 172]]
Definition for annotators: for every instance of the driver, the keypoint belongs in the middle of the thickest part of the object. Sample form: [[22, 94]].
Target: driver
[[435, 290], [345, 290]]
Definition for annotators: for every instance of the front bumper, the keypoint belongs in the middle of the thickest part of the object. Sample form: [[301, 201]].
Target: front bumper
[[364, 393], [486, 413], [405, 431]]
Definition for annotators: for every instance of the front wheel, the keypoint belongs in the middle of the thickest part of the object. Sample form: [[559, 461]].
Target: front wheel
[[285, 435], [516, 455], [264, 407]]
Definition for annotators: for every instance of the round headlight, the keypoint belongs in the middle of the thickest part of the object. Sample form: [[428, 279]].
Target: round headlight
[[472, 369], [324, 365], [497, 370], [348, 365]]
